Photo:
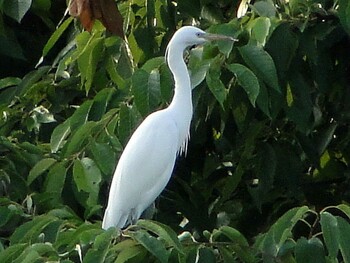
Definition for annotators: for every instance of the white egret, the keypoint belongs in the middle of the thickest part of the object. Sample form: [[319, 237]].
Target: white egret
[[147, 162]]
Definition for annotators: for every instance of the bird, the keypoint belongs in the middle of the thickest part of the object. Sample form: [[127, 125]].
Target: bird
[[148, 160]]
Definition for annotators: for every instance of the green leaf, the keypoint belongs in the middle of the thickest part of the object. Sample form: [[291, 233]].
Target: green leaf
[[56, 35], [301, 109], [55, 179], [260, 29], [83, 173], [309, 251], [215, 84], [6, 214], [16, 8], [9, 82], [166, 82], [198, 67], [104, 157], [87, 177], [281, 231], [199, 73], [89, 56], [41, 167], [330, 233], [263, 100], [226, 254], [227, 29], [266, 171], [79, 137], [84, 235], [124, 244], [153, 63], [81, 115], [114, 74], [35, 253], [27, 257], [345, 209], [100, 247], [100, 104], [59, 135], [31, 79], [344, 238], [153, 245], [240, 244], [205, 255], [261, 63], [163, 231], [129, 118], [146, 90], [247, 80], [131, 253], [12, 252], [344, 14], [282, 46], [265, 8], [30, 231], [234, 235]]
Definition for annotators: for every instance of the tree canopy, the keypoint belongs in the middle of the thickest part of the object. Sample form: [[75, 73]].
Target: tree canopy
[[266, 176]]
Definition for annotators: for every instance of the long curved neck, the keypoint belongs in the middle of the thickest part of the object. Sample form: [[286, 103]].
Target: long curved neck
[[181, 105], [182, 99]]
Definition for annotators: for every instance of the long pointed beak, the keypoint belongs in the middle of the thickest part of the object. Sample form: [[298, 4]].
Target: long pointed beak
[[212, 37]]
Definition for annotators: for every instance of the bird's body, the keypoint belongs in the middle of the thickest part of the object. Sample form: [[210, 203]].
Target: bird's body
[[133, 193], [147, 162]]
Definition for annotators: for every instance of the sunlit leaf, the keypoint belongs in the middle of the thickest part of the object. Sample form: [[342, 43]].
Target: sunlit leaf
[[129, 253], [59, 135], [89, 57], [260, 29], [56, 36], [265, 8]]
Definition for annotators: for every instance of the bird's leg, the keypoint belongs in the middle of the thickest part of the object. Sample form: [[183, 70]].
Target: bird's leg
[[149, 211]]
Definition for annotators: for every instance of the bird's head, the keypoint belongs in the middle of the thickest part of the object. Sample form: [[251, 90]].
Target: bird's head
[[191, 36]]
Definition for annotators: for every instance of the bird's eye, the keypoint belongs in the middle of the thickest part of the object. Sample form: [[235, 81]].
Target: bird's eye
[[198, 34]]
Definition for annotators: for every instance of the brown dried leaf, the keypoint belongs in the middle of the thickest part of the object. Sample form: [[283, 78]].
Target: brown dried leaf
[[82, 10], [104, 10]]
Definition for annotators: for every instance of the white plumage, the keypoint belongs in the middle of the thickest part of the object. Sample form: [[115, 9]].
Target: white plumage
[[147, 162]]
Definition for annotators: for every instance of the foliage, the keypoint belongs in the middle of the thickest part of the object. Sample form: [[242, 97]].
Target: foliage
[[25, 26], [266, 176]]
